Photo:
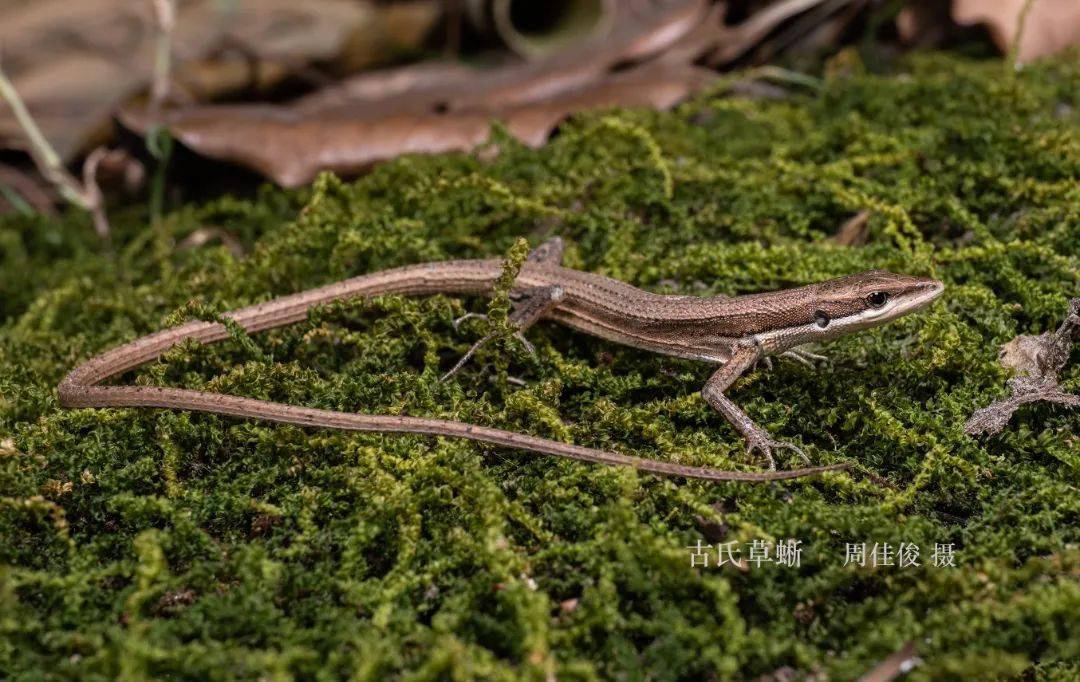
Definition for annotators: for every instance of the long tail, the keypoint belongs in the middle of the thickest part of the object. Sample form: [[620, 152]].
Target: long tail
[[80, 388]]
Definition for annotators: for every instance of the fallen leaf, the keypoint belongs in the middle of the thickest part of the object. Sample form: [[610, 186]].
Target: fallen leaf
[[636, 36], [723, 43], [436, 107], [291, 145], [75, 63], [1050, 26]]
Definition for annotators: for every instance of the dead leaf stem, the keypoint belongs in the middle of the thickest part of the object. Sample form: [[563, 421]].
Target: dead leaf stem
[[86, 196]]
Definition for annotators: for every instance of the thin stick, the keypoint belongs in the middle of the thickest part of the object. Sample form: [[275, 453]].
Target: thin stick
[[93, 192]]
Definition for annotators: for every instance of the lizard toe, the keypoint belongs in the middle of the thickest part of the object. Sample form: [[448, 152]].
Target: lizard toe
[[467, 316]]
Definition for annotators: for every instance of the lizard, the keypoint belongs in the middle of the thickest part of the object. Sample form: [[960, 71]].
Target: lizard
[[733, 333]]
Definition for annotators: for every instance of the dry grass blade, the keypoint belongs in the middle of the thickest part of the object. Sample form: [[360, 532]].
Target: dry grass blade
[[75, 63], [87, 195]]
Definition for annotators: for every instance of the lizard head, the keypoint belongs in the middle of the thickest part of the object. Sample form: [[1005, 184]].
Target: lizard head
[[848, 304]]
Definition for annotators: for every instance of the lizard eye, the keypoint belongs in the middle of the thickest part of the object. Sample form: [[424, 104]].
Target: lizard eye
[[821, 318], [877, 299]]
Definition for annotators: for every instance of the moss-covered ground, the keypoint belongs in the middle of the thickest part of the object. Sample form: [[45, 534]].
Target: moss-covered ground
[[143, 543]]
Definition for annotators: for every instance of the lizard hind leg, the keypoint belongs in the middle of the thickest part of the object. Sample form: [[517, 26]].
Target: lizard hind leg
[[529, 308], [548, 253], [529, 305]]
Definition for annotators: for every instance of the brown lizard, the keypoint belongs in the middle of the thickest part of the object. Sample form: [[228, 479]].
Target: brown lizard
[[732, 332]]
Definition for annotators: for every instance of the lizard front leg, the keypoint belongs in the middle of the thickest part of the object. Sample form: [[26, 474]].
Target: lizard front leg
[[756, 437]]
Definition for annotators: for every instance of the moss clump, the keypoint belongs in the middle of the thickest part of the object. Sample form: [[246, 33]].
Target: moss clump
[[153, 543]]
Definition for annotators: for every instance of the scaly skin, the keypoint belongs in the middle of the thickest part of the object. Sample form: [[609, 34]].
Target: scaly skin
[[732, 332]]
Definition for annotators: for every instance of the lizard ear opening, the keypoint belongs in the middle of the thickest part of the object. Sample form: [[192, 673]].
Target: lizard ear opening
[[821, 318]]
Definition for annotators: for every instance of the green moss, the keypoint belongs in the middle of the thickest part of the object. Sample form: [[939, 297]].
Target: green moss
[[149, 543]]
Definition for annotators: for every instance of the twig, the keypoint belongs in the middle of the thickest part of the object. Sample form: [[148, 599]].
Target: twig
[[93, 192], [87, 196], [1037, 360]]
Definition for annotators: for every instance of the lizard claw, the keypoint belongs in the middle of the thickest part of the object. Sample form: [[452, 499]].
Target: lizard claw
[[465, 358], [804, 356], [765, 444], [479, 344]]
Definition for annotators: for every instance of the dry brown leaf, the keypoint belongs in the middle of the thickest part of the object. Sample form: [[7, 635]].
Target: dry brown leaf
[[433, 107], [1051, 25], [75, 62], [725, 43], [637, 35], [291, 145]]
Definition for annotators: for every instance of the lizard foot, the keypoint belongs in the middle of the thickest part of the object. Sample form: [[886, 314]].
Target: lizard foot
[[529, 306], [478, 345], [804, 356], [761, 441]]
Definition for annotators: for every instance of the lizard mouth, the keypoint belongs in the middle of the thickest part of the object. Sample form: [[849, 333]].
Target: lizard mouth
[[917, 296], [924, 294]]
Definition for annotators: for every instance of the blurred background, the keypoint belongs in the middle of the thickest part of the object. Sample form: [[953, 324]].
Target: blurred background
[[231, 93]]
